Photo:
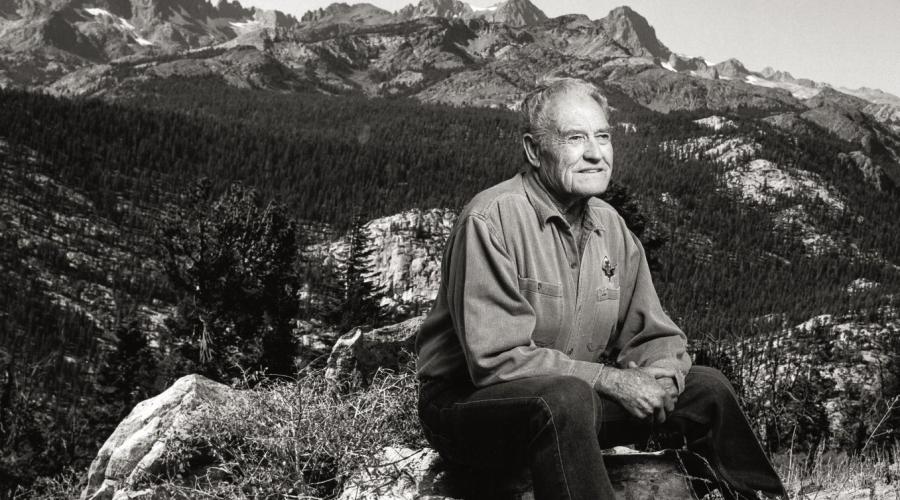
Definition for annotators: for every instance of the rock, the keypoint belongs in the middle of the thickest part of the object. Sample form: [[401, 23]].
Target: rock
[[716, 123], [873, 173], [358, 354], [844, 363], [406, 474], [138, 443], [402, 474]]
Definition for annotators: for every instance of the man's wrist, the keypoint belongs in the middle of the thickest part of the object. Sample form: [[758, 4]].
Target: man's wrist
[[606, 380]]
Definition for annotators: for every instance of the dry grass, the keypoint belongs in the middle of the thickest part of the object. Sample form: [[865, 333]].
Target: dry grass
[[299, 440], [832, 475], [291, 439]]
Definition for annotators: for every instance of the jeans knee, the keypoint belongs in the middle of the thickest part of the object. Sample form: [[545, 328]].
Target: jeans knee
[[569, 400], [714, 383]]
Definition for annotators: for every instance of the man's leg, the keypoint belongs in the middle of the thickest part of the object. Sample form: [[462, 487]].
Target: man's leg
[[547, 423], [709, 417]]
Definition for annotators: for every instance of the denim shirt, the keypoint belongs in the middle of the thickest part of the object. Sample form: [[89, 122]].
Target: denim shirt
[[518, 299]]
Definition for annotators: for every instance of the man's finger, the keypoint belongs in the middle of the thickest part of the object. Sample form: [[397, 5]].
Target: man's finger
[[632, 364], [659, 415], [670, 404], [659, 372]]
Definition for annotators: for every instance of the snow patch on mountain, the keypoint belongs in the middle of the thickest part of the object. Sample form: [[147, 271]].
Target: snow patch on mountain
[[121, 23], [797, 90]]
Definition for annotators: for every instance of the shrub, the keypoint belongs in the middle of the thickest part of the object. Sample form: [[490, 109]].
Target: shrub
[[291, 438]]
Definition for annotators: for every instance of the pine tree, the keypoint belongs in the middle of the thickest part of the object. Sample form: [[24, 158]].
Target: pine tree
[[128, 374], [235, 263], [360, 302]]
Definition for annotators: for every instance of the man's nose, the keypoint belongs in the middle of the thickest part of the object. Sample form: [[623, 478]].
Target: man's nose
[[593, 151]]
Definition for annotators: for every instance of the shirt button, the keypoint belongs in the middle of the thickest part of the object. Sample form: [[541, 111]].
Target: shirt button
[[573, 265]]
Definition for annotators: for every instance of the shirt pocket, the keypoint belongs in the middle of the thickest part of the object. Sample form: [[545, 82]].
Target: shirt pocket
[[609, 290], [607, 293], [547, 301]]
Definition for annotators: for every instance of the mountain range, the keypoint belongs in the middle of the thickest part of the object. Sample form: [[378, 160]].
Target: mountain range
[[440, 51]]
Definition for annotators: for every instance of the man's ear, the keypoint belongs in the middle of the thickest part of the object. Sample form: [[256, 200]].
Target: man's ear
[[532, 150]]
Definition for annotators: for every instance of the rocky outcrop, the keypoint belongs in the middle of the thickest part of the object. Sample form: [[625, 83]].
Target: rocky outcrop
[[242, 67], [873, 173], [790, 123], [406, 254], [406, 474], [136, 447], [358, 354], [839, 368]]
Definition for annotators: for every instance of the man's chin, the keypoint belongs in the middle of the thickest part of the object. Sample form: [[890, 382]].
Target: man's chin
[[594, 188]]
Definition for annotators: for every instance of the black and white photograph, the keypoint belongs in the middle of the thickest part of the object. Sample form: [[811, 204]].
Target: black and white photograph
[[447, 250]]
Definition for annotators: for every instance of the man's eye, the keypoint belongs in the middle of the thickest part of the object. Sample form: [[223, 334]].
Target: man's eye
[[603, 138], [576, 138]]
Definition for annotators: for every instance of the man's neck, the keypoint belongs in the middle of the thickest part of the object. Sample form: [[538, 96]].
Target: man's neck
[[571, 208], [571, 211]]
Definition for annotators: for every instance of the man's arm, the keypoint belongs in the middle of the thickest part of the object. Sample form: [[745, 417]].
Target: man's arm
[[648, 337], [492, 319]]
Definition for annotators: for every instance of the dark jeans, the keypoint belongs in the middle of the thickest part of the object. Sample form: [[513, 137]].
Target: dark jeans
[[558, 425]]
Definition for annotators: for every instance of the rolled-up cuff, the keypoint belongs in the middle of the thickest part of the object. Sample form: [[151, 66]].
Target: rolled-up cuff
[[587, 371]]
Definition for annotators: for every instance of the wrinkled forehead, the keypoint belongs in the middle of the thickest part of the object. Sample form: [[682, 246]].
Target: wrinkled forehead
[[575, 109]]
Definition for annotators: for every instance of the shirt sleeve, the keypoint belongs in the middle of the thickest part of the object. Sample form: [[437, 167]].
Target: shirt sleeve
[[648, 336], [491, 317]]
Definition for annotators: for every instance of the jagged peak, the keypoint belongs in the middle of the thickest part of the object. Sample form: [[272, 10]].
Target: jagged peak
[[732, 68], [436, 8], [341, 9], [512, 12], [634, 32]]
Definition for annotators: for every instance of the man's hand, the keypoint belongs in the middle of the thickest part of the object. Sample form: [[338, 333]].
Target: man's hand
[[668, 385], [639, 391]]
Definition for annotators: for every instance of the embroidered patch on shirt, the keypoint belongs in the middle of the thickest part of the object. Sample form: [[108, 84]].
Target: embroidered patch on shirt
[[608, 270]]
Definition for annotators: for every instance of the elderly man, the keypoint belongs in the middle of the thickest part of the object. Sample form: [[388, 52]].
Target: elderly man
[[542, 283]]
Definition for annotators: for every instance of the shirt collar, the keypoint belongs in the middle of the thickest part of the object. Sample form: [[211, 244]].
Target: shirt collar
[[546, 209]]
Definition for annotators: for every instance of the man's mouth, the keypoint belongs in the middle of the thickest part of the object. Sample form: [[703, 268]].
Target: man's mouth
[[591, 171]]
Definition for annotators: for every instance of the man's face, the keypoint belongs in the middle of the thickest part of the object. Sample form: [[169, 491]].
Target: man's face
[[576, 156]]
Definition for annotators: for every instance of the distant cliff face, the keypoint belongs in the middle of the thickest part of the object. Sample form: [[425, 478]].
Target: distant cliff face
[[510, 12], [77, 32], [450, 9], [632, 31]]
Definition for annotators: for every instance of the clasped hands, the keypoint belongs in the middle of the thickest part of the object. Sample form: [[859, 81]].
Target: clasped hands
[[642, 391]]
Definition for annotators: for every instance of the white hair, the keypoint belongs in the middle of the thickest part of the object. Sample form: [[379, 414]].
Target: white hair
[[535, 103]]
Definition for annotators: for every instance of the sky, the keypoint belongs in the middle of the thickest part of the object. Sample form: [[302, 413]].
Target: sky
[[846, 44]]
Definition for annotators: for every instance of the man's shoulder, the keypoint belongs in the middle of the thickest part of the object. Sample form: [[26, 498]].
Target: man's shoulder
[[486, 203]]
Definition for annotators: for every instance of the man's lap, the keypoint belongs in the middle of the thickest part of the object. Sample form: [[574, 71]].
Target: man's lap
[[494, 417]]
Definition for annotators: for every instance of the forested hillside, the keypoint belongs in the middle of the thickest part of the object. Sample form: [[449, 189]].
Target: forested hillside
[[734, 255]]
